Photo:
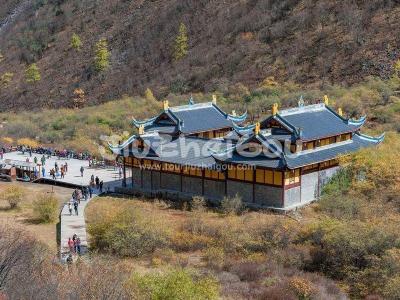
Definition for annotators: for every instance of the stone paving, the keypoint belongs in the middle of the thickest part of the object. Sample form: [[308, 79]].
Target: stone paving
[[74, 224]]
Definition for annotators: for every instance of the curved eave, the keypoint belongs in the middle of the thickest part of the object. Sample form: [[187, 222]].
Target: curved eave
[[119, 148], [376, 140], [243, 130], [357, 123], [145, 123], [237, 119], [215, 153]]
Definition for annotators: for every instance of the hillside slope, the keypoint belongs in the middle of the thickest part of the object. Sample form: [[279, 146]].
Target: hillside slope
[[309, 42]]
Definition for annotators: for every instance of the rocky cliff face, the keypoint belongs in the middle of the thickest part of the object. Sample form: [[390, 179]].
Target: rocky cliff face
[[309, 42]]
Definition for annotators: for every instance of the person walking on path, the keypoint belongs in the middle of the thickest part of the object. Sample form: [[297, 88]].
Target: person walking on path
[[70, 208], [62, 172], [43, 160], [35, 160], [43, 172], [78, 245], [101, 186], [90, 192], [66, 167], [76, 207], [71, 245], [82, 169], [97, 182]]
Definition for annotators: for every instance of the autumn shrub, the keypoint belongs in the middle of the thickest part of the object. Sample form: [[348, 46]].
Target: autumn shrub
[[198, 204], [14, 194], [247, 270], [214, 257], [45, 208], [126, 232], [303, 288], [186, 241], [232, 205], [342, 248], [341, 206], [392, 289], [174, 284]]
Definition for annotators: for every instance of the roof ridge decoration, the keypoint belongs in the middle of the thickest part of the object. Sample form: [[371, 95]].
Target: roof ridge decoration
[[190, 106], [301, 109]]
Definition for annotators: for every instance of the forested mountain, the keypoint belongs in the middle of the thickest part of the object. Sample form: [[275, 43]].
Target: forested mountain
[[228, 42]]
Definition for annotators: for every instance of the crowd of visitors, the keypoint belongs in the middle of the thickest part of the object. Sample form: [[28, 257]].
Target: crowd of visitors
[[55, 152]]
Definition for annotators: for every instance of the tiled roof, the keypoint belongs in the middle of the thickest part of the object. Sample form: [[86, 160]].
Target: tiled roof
[[200, 117], [329, 152], [315, 122], [192, 118]]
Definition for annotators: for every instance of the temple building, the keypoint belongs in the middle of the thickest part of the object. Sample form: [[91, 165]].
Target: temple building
[[279, 163]]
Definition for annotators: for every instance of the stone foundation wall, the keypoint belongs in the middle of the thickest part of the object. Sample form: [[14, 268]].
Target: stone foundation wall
[[292, 196], [156, 178], [173, 186], [214, 189], [243, 189], [137, 176], [170, 181], [192, 185], [146, 179], [268, 195]]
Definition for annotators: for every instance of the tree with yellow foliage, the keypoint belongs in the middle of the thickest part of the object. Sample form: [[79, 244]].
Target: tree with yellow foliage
[[79, 98], [148, 94], [32, 74], [76, 42], [7, 140], [181, 43], [6, 78], [397, 67], [27, 142], [102, 56]]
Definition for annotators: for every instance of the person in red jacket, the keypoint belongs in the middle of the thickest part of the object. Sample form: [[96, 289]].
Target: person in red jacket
[[71, 245]]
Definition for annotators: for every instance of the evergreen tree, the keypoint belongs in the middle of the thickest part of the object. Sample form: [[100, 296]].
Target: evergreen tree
[[76, 42], [181, 43], [32, 74], [102, 56]]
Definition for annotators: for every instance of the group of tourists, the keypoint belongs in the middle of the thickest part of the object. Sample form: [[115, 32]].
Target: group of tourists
[[96, 182], [57, 171], [78, 195], [74, 245]]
